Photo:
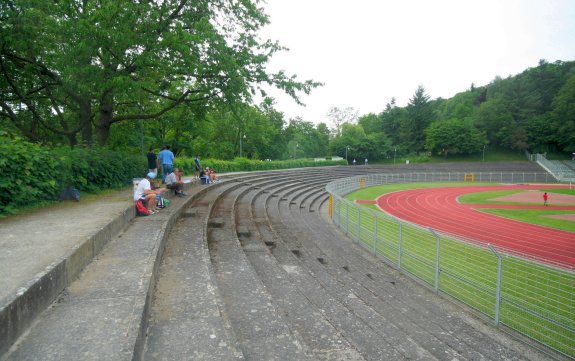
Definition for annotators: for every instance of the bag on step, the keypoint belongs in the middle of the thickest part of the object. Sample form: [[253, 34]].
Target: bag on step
[[166, 202], [141, 210]]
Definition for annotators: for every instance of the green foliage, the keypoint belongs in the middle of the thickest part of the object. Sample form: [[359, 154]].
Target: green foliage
[[33, 174], [94, 169], [28, 174], [454, 137], [158, 57], [419, 115], [564, 115]]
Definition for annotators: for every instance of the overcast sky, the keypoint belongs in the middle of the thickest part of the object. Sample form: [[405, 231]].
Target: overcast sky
[[368, 51]]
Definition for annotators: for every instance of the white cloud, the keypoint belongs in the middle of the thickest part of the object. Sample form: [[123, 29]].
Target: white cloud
[[368, 51]]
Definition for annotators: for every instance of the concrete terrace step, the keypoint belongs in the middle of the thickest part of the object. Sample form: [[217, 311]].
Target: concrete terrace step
[[370, 334], [186, 320], [462, 342], [261, 331], [320, 337]]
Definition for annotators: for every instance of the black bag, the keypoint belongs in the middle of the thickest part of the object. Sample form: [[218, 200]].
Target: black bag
[[70, 194]]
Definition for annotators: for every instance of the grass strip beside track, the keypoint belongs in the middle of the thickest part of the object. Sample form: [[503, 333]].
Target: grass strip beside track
[[536, 300], [535, 217]]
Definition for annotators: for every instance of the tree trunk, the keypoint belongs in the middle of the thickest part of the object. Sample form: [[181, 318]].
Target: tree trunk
[[104, 122], [86, 119]]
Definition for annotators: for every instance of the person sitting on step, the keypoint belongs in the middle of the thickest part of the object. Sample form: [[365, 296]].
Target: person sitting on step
[[212, 174], [204, 176], [174, 181], [146, 194]]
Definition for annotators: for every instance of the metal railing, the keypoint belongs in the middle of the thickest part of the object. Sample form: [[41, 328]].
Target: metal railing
[[533, 297], [559, 170]]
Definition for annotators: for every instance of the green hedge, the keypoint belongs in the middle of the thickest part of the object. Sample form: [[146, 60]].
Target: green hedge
[[34, 174], [246, 165]]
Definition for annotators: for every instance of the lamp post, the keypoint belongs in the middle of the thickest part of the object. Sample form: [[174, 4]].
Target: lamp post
[[346, 148], [484, 153], [241, 146], [294, 149], [394, 154]]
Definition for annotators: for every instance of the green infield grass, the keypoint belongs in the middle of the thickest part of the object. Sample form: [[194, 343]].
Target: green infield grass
[[539, 217]]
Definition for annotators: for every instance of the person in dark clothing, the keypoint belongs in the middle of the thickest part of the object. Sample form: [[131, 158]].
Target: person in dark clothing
[[198, 166], [152, 161]]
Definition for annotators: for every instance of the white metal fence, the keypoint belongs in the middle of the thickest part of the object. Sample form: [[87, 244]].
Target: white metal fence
[[533, 297]]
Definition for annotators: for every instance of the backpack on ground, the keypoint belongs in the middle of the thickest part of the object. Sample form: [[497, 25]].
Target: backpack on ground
[[141, 210]]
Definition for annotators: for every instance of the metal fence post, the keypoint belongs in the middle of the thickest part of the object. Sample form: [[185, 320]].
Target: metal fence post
[[375, 236], [437, 244], [358, 224], [498, 289], [399, 245], [346, 218]]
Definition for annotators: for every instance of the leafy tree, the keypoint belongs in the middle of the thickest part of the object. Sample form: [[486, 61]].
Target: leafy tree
[[74, 67], [494, 118], [323, 138], [305, 139], [542, 133], [275, 134], [339, 116], [454, 137], [564, 115], [460, 106], [370, 123]]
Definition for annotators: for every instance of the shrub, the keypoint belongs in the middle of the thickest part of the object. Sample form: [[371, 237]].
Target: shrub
[[34, 174], [27, 174]]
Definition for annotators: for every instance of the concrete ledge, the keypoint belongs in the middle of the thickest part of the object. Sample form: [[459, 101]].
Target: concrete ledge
[[19, 311]]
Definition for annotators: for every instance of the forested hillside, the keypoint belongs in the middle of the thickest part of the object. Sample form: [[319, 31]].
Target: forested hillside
[[129, 76], [533, 111]]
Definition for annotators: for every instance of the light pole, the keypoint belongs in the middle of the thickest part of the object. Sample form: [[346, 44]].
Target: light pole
[[394, 154], [484, 153], [241, 146], [294, 149], [346, 148]]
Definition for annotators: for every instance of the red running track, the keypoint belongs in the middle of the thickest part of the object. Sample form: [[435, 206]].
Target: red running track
[[439, 209]]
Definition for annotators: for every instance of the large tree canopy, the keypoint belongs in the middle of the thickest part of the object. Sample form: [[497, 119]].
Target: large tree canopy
[[71, 67]]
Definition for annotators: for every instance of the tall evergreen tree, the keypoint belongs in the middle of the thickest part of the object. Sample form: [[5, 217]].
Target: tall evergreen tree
[[419, 116]]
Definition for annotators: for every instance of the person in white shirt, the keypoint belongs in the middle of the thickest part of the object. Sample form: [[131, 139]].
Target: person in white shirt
[[145, 193]]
